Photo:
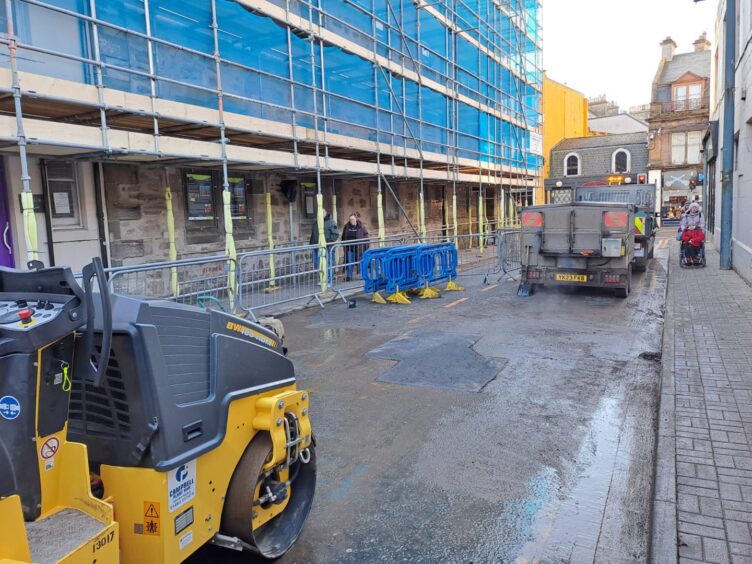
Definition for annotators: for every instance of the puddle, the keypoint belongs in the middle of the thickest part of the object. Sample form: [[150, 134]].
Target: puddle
[[568, 527], [518, 519]]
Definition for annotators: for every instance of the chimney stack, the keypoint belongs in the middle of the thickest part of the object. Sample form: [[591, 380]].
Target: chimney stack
[[702, 43], [668, 46]]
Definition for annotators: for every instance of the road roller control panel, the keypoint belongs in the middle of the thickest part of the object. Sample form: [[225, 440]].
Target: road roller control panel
[[25, 314]]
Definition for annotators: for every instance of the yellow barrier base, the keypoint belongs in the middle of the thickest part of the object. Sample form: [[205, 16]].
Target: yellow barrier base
[[270, 289], [378, 299], [453, 287], [399, 298], [429, 293]]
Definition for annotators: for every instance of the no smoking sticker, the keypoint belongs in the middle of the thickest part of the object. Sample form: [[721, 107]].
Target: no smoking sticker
[[49, 448]]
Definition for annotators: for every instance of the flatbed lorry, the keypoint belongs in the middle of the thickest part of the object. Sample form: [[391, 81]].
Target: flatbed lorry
[[589, 244]]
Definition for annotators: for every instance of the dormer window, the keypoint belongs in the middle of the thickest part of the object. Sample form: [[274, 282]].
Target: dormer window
[[621, 161], [572, 165], [687, 97]]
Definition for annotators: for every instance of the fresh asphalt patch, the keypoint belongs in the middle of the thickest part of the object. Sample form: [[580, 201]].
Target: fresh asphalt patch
[[437, 360]]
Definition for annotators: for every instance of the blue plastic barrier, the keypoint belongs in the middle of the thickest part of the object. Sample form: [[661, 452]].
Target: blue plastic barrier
[[397, 269], [373, 269], [437, 263]]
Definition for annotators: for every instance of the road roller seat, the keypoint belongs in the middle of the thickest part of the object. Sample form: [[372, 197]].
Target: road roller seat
[[172, 372]]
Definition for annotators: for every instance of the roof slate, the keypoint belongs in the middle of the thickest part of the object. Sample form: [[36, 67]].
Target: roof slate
[[697, 62], [601, 141]]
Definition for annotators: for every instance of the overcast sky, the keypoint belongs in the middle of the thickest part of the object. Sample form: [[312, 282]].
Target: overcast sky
[[612, 46]]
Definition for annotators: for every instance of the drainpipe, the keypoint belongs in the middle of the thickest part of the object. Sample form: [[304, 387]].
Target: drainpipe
[[727, 182]]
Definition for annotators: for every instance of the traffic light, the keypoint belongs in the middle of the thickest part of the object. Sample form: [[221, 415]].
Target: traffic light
[[693, 183], [642, 179]]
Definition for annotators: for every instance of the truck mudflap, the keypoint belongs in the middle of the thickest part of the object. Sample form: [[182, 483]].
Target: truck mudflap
[[606, 278]]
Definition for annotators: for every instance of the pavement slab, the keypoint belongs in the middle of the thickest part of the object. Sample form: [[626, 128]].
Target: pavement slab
[[702, 510]]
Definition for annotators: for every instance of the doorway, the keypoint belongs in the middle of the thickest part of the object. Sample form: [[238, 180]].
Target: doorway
[[6, 246]]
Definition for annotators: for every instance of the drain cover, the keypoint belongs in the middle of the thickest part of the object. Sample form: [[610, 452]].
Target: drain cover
[[437, 360]]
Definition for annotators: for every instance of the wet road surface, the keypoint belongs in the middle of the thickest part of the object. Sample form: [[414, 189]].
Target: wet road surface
[[491, 429]]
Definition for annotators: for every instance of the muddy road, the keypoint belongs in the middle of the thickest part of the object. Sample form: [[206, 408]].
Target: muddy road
[[482, 427]]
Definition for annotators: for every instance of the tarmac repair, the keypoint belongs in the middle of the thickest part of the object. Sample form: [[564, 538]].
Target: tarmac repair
[[543, 452]]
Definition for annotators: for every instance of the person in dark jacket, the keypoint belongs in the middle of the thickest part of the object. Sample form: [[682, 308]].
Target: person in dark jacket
[[354, 231], [331, 234]]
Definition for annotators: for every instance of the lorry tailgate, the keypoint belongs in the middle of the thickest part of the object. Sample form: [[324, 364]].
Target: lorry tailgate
[[574, 229]]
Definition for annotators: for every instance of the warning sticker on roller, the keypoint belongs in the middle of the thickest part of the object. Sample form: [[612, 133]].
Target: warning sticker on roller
[[151, 509], [49, 448], [152, 524]]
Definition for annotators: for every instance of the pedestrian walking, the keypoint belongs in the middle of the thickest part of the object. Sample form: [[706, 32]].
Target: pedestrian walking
[[331, 234], [354, 231]]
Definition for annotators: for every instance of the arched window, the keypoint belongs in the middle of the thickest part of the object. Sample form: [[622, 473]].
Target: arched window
[[621, 161], [572, 165]]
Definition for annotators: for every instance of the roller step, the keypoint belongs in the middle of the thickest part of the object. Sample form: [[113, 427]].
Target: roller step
[[53, 537]]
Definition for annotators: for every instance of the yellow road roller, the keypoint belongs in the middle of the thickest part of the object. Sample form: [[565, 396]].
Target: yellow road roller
[[137, 430]]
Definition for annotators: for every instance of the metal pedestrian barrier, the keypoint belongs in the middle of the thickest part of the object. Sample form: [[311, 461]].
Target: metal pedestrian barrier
[[266, 282], [509, 251], [269, 278], [195, 281]]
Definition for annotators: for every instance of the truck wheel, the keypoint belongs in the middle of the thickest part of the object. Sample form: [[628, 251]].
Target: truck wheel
[[624, 292]]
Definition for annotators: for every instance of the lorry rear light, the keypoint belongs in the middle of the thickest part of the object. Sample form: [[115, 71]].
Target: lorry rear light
[[534, 274], [615, 220], [532, 219], [611, 278]]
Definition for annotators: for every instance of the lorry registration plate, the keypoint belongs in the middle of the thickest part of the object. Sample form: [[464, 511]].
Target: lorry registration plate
[[571, 277]]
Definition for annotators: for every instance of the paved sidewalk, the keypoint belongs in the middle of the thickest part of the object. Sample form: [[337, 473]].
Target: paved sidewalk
[[703, 495]]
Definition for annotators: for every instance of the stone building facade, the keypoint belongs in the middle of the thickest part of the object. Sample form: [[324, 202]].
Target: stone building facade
[[271, 97], [679, 113], [136, 211], [741, 226]]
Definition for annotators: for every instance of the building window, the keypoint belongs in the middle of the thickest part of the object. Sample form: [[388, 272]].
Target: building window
[[688, 97], [572, 165], [61, 183], [199, 197], [685, 147], [621, 161], [239, 188], [309, 199], [434, 202]]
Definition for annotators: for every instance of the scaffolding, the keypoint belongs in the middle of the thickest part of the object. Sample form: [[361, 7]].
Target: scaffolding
[[435, 91]]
